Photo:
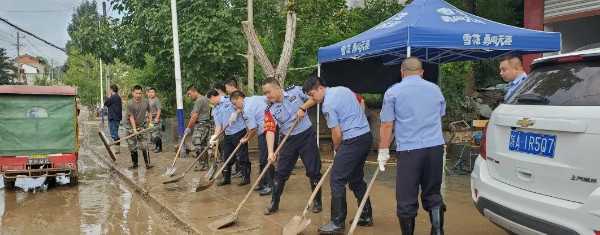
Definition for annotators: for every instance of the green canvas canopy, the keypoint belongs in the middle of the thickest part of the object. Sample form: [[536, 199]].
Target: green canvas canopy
[[37, 122]]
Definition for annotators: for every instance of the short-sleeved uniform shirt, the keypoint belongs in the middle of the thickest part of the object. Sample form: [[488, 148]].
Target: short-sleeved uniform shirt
[[416, 107], [221, 113], [202, 108], [154, 106], [254, 113], [138, 110], [284, 112], [341, 108]]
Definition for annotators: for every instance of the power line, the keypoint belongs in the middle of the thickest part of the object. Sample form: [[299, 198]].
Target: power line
[[33, 35], [35, 11]]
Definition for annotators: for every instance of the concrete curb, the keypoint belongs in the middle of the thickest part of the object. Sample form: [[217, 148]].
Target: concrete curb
[[153, 201]]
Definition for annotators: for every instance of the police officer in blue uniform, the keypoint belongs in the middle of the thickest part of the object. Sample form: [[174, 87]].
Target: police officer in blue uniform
[[352, 140], [225, 115], [283, 108], [413, 110], [253, 112]]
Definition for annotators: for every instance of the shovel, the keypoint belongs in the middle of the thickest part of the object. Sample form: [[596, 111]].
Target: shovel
[[232, 218], [171, 170], [107, 144], [178, 178], [362, 203], [298, 223], [212, 178]]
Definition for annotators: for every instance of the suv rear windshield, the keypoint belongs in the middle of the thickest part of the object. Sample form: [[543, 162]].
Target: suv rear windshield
[[567, 84]]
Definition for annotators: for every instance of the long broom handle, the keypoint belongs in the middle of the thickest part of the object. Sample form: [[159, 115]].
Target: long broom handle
[[362, 203], [131, 136], [266, 167], [317, 188], [226, 161]]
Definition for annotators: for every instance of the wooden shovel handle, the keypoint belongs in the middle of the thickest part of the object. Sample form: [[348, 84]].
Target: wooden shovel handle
[[264, 171], [362, 203], [179, 149], [226, 162], [316, 190], [131, 135]]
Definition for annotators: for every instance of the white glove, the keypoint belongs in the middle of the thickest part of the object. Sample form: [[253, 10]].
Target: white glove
[[213, 140], [382, 157], [187, 131], [233, 117]]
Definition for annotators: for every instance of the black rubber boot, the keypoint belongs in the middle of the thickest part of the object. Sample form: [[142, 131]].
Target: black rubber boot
[[317, 203], [276, 195], [407, 225], [366, 217], [245, 175], [226, 178], [146, 155], [134, 160], [436, 216], [158, 143], [266, 190], [338, 217]]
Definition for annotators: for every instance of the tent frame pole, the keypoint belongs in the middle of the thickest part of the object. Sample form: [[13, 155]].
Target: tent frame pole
[[318, 112]]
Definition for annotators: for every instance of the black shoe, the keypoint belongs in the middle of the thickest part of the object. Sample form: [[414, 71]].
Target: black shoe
[[407, 225], [134, 160], [158, 145], [266, 190], [436, 216], [366, 217], [226, 179], [245, 181], [317, 205], [276, 195], [338, 217]]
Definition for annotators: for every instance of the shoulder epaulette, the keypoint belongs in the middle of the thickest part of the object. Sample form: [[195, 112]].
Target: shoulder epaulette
[[290, 87]]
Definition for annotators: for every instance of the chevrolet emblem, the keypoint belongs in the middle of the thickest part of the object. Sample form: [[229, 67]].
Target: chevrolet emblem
[[525, 122]]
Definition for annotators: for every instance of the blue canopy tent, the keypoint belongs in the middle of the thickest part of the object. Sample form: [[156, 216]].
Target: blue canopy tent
[[433, 30]]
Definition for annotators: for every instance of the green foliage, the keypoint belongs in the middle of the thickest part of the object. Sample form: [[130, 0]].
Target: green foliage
[[453, 83], [7, 69], [90, 33], [83, 72]]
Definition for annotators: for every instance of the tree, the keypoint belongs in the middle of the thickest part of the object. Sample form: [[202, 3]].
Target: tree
[[90, 33], [7, 69]]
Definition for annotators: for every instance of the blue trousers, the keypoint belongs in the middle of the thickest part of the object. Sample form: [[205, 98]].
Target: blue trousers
[[113, 126]]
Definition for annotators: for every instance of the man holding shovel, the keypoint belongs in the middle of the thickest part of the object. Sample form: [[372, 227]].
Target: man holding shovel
[[253, 112], [284, 107], [351, 137], [200, 124], [138, 117], [413, 110], [227, 119]]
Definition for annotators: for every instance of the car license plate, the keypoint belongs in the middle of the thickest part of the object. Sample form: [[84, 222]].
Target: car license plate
[[532, 143]]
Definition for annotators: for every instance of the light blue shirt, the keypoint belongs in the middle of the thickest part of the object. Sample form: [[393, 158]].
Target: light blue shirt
[[285, 112], [416, 106], [221, 113], [254, 113], [514, 86], [341, 108]]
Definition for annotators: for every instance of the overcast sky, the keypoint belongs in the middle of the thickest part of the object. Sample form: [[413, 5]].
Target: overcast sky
[[48, 19]]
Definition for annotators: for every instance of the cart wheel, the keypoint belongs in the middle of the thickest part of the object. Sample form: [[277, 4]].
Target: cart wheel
[[9, 183]]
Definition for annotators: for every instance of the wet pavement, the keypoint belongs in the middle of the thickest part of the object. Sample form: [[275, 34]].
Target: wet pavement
[[103, 204], [100, 204], [200, 208]]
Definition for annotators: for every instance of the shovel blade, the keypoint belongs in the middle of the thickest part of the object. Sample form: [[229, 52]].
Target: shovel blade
[[223, 222], [296, 225], [204, 185], [107, 146], [170, 171], [173, 180]]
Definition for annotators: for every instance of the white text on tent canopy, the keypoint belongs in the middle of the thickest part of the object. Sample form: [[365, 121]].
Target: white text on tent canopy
[[357, 47], [475, 39]]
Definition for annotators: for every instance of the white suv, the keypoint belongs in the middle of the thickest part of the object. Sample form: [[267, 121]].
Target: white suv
[[539, 167]]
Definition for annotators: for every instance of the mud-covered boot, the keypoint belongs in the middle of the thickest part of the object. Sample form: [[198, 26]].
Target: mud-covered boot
[[407, 225], [146, 155], [245, 176], [276, 195], [317, 205], [134, 160], [338, 217], [226, 178], [436, 216], [118, 148]]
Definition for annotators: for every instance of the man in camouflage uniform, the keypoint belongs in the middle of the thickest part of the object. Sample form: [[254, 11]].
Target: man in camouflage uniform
[[200, 123], [138, 117], [155, 110]]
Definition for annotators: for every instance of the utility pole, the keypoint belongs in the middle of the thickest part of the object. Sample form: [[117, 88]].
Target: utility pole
[[178, 93], [250, 54], [18, 54], [108, 65]]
